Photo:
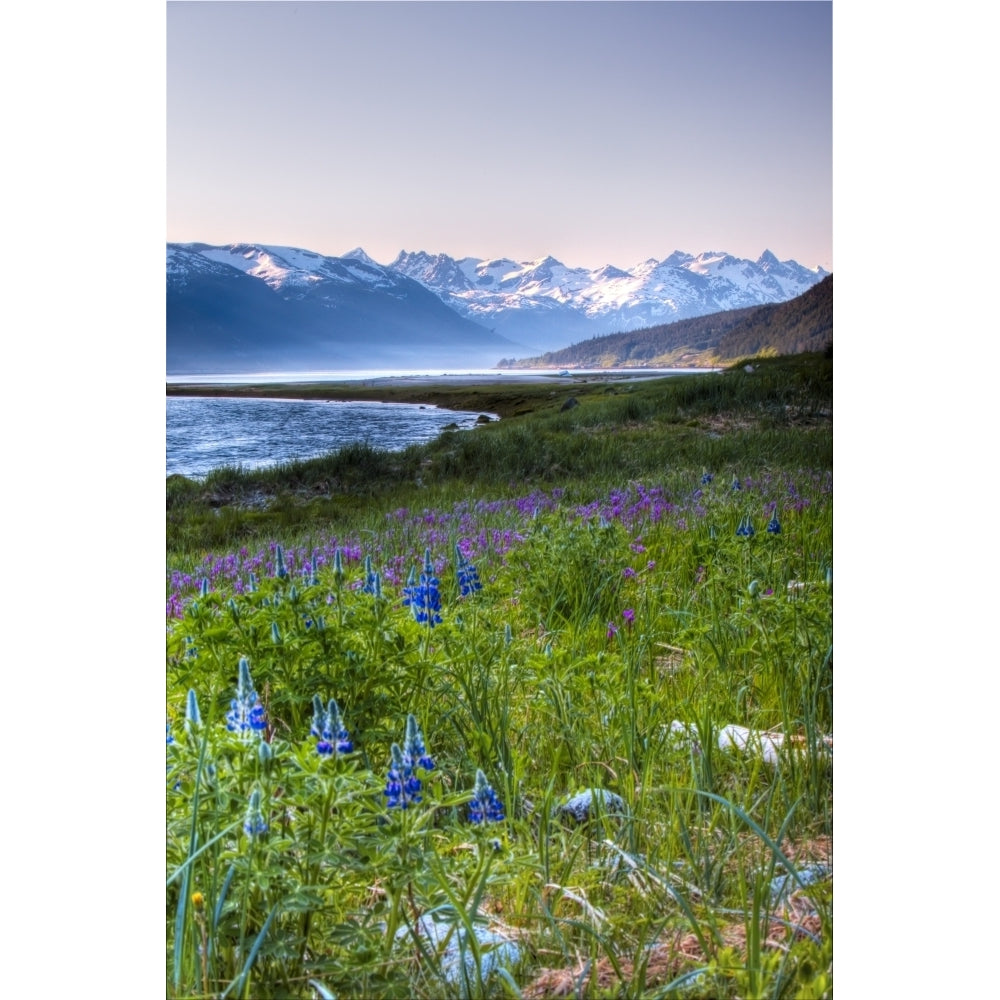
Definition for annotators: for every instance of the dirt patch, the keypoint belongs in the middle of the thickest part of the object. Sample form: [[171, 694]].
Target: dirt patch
[[794, 919]]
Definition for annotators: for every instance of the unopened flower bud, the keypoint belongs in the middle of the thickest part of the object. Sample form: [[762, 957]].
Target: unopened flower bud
[[193, 712]]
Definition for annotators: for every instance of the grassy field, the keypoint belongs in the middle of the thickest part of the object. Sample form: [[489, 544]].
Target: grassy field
[[543, 708]]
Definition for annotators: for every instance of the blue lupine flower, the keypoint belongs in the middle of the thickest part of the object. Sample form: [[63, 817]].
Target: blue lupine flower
[[279, 563], [338, 565], [191, 651], [427, 602], [313, 575], [204, 587], [246, 714], [485, 807], [252, 585], [275, 634], [411, 585], [170, 738], [468, 575], [737, 485], [373, 581], [402, 786], [774, 525], [745, 529], [254, 825], [424, 599], [706, 478], [328, 728], [414, 750]]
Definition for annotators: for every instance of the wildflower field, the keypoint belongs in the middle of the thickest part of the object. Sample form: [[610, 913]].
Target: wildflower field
[[572, 739]]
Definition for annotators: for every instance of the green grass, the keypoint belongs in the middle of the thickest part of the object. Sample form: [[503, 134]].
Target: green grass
[[617, 600], [778, 417]]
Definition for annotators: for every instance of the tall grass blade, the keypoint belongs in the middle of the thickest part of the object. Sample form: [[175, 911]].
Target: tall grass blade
[[237, 984]]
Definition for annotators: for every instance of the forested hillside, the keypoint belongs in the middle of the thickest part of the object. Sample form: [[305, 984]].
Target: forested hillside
[[802, 324]]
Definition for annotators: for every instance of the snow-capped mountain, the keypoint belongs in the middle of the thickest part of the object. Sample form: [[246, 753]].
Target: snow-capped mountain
[[549, 305], [246, 307]]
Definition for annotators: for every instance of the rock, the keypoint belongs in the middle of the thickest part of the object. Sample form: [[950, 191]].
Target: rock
[[782, 886], [569, 404], [450, 427], [484, 419], [592, 802], [458, 962]]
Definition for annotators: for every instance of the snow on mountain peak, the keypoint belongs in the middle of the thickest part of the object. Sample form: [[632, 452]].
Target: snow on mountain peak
[[358, 254], [539, 302], [518, 297], [678, 259], [609, 272]]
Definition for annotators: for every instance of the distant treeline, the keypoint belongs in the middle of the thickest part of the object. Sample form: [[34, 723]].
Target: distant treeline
[[802, 324]]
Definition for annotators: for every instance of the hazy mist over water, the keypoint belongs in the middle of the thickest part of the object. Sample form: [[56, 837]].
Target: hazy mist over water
[[382, 375], [205, 433], [349, 375]]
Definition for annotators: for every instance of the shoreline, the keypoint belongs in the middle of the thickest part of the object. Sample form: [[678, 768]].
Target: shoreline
[[506, 394]]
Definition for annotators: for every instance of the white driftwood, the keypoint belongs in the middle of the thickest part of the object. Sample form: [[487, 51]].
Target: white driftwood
[[767, 746]]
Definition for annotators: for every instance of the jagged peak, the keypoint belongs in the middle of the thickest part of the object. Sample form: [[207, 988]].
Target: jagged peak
[[609, 271], [677, 258], [358, 254]]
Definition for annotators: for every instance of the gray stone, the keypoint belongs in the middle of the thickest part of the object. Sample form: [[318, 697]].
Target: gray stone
[[458, 961], [591, 802], [782, 886]]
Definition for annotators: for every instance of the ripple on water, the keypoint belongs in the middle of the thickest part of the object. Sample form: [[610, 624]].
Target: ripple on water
[[204, 433]]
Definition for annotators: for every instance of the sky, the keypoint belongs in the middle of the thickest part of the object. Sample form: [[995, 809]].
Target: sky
[[600, 133]]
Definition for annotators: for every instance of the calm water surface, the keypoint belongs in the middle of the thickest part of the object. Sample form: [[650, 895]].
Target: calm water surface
[[205, 433]]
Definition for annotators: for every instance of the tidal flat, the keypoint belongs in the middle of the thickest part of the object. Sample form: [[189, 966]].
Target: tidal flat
[[508, 394]]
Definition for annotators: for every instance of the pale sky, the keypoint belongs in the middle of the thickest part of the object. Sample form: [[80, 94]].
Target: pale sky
[[601, 133]]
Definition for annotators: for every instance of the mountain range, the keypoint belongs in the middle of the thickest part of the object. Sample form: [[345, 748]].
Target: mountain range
[[804, 323], [249, 307]]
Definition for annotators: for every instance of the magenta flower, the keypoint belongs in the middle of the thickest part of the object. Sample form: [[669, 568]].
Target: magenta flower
[[629, 615]]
